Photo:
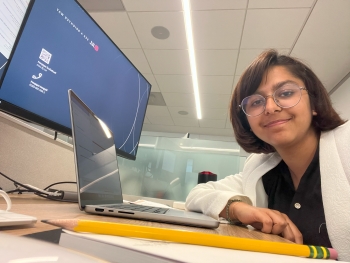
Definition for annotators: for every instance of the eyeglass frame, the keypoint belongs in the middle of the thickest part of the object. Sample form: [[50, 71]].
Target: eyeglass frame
[[274, 99]]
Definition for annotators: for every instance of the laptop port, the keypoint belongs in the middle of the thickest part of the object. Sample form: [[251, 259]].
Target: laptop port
[[124, 212], [99, 209]]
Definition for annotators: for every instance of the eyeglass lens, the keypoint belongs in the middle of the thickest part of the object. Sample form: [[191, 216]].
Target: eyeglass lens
[[285, 96]]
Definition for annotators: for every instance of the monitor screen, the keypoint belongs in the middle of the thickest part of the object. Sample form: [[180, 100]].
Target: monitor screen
[[11, 16], [60, 47]]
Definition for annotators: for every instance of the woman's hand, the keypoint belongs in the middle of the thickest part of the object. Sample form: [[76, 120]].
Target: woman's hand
[[266, 220]]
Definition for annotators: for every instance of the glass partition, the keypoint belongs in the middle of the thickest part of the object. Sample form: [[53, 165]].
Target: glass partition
[[168, 168]]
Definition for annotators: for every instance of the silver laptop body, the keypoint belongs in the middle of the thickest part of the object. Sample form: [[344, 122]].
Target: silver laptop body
[[98, 179]]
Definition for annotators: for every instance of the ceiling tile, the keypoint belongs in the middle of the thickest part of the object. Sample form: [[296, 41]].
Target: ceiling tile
[[186, 122], [219, 124], [179, 99], [228, 124], [280, 4], [218, 4], [216, 62], [143, 22], [219, 114], [246, 57], [118, 27], [215, 84], [335, 26], [340, 100], [161, 120], [324, 44], [235, 81], [215, 101], [137, 57], [174, 111], [168, 61], [175, 83], [217, 29], [102, 5], [330, 73], [272, 28], [153, 82], [153, 5], [157, 111]]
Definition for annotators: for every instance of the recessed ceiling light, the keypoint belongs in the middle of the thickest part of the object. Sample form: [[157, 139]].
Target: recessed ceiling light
[[182, 112], [160, 32]]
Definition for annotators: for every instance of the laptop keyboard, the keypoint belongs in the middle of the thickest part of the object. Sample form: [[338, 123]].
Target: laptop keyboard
[[139, 208]]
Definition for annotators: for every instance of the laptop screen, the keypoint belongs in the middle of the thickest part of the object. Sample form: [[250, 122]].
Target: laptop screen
[[95, 157]]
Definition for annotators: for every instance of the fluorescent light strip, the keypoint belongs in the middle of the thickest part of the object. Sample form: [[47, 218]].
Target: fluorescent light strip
[[188, 25]]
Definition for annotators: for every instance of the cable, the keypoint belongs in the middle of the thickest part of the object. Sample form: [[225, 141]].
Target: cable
[[64, 182], [52, 194]]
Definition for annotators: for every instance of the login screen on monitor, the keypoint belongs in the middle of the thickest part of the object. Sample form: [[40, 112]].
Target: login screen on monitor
[[60, 47]]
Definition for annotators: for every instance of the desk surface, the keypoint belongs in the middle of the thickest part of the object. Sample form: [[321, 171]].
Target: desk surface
[[46, 209]]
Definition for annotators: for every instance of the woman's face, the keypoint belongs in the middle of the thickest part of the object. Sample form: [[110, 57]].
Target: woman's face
[[282, 127]]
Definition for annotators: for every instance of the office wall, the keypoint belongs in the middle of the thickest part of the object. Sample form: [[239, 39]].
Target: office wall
[[32, 157], [341, 100]]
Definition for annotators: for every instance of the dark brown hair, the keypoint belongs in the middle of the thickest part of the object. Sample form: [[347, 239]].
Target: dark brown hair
[[326, 119]]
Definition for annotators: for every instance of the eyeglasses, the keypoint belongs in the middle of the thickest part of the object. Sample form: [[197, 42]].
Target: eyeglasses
[[286, 96]]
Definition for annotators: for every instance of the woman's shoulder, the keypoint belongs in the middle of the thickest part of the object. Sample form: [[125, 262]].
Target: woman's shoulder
[[341, 130], [256, 160], [260, 157]]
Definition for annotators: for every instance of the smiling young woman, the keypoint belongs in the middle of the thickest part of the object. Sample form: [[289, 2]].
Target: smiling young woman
[[296, 182]]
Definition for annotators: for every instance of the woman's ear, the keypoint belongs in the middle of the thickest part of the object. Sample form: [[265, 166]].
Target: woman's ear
[[314, 113]]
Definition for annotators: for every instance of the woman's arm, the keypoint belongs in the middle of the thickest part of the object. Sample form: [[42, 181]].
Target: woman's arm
[[211, 198]]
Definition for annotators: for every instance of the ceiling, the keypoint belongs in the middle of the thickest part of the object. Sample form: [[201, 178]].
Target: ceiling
[[228, 35]]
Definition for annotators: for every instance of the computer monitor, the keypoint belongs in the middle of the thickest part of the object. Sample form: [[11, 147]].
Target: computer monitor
[[60, 47], [11, 17]]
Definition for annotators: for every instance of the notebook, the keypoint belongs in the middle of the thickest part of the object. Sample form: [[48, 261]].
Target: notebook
[[8, 218], [14, 219], [98, 175]]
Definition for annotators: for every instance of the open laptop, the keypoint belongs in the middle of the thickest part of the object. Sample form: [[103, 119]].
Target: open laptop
[[98, 179]]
